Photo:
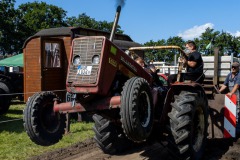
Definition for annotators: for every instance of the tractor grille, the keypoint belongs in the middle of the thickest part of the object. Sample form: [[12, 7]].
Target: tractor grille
[[85, 48]]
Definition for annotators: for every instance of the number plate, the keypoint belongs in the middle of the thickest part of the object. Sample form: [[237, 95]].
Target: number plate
[[84, 70]]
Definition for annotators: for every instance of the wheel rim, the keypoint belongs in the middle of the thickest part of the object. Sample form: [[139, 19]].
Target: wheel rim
[[198, 129], [144, 109], [50, 120]]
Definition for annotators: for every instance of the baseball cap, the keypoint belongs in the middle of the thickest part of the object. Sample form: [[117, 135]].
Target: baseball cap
[[235, 64]]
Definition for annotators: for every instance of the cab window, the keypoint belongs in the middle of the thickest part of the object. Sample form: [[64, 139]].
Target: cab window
[[52, 55]]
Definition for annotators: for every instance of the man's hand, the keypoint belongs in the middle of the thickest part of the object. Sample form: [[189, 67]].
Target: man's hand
[[183, 61], [230, 94]]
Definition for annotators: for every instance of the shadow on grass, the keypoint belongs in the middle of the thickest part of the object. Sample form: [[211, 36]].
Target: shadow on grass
[[12, 126], [12, 121], [18, 112]]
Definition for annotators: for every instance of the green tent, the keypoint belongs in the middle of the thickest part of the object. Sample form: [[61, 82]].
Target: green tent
[[14, 61]]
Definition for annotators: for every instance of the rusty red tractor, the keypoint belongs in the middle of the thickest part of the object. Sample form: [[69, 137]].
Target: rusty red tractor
[[106, 82]]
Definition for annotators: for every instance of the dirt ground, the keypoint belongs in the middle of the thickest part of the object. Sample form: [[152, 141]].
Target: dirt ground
[[224, 149]]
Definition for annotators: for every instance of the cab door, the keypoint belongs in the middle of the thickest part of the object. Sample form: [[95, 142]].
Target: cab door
[[53, 69]]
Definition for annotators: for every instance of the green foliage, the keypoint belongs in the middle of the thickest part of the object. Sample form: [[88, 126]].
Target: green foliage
[[15, 143], [224, 41], [87, 22], [37, 16], [206, 43], [29, 18], [7, 25], [164, 55], [33, 17], [17, 25]]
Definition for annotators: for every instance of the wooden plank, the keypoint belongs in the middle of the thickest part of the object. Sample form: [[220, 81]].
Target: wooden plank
[[223, 73], [221, 59], [32, 67], [208, 86], [225, 65]]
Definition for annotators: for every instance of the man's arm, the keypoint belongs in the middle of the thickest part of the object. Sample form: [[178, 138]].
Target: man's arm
[[223, 87], [236, 86], [191, 64], [193, 59]]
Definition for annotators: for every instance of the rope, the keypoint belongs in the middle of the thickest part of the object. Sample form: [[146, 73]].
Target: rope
[[6, 121], [10, 120], [9, 94]]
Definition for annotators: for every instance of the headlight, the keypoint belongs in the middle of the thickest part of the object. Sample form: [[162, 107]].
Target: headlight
[[76, 60], [95, 59]]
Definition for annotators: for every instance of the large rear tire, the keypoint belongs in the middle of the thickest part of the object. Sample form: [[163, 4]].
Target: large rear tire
[[137, 109], [43, 126], [188, 125], [109, 137], [5, 97]]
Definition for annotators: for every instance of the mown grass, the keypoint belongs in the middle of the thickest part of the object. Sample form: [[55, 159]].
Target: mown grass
[[15, 143]]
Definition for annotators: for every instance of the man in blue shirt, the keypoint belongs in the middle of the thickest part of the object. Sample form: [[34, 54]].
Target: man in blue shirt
[[232, 81]]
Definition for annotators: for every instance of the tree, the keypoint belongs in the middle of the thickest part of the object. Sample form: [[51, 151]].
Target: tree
[[37, 16], [29, 18], [224, 41], [83, 20], [87, 22], [33, 17], [164, 55], [7, 25], [154, 55], [206, 43]]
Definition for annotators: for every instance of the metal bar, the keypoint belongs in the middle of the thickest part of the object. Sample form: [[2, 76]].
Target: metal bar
[[107, 103], [216, 60], [115, 23]]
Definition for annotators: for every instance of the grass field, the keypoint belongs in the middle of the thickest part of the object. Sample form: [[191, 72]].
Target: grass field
[[15, 143]]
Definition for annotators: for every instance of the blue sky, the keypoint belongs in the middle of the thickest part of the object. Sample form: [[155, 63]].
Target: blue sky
[[145, 20]]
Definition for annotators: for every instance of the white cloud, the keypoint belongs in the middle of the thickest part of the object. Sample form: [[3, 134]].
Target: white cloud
[[195, 31], [236, 34]]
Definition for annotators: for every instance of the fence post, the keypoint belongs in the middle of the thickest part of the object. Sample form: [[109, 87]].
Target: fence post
[[67, 123], [216, 60]]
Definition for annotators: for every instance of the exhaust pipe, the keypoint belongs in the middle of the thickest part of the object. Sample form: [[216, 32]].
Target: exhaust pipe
[[115, 23]]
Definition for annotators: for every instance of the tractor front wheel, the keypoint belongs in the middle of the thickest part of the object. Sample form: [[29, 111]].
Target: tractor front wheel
[[43, 126], [137, 109]]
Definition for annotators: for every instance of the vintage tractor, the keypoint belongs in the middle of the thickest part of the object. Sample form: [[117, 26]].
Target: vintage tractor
[[11, 81], [127, 109]]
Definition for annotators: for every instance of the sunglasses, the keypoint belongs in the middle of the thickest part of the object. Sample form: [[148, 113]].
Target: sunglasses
[[234, 67]]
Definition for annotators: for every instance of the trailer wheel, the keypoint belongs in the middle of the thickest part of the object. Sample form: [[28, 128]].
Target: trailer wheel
[[109, 137], [137, 109], [43, 126], [5, 100], [188, 125]]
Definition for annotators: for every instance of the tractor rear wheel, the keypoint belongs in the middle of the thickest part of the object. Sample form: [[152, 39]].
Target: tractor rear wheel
[[109, 137], [188, 125], [137, 109], [5, 100], [43, 126]]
